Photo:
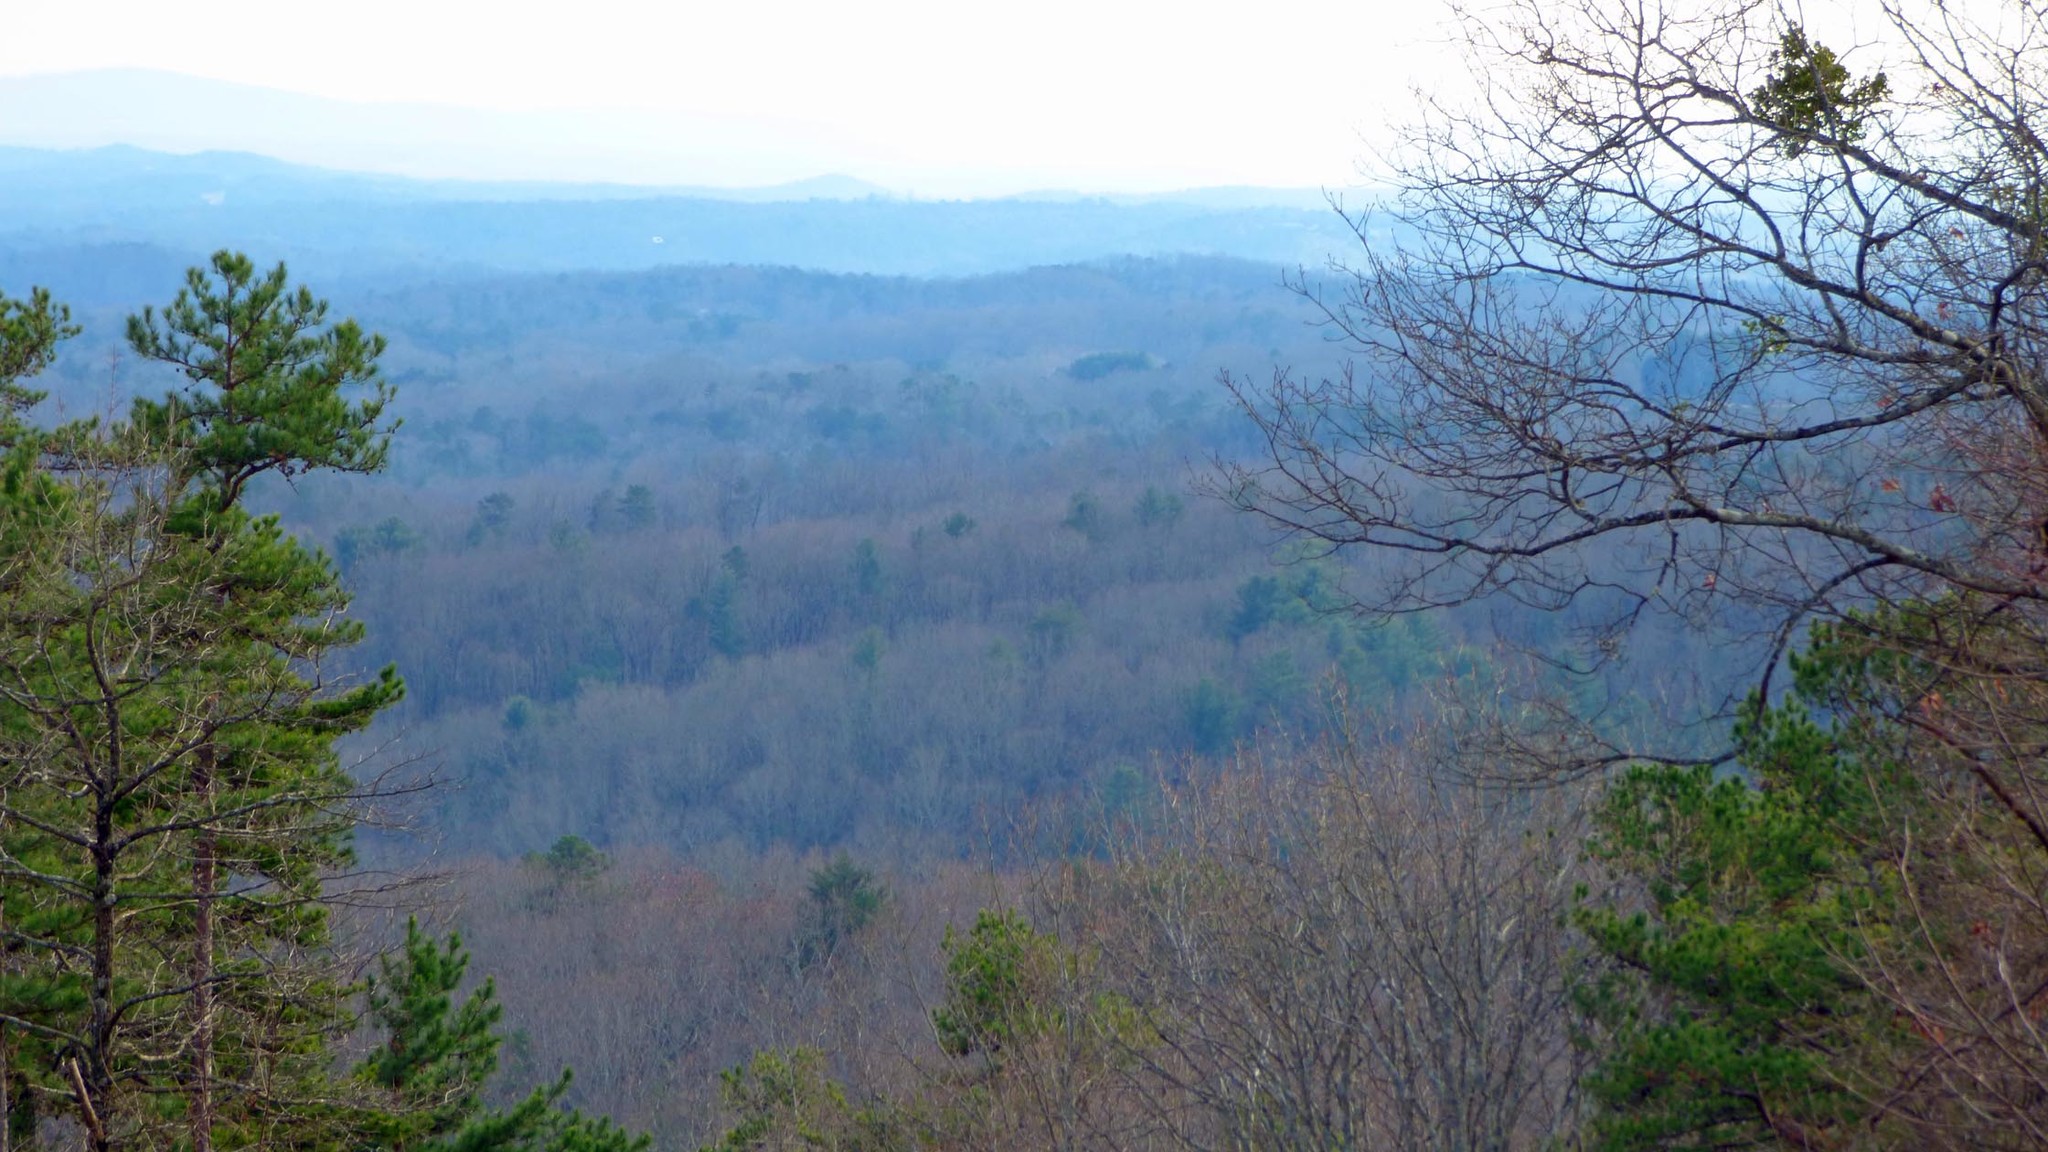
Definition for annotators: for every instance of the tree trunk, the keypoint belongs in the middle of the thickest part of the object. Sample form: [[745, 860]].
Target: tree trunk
[[203, 879], [93, 1082], [6, 1066]]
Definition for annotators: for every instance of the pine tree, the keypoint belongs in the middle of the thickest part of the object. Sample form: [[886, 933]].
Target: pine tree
[[30, 331], [1730, 1016], [270, 387], [440, 1053], [845, 898], [127, 678], [173, 801], [1828, 946]]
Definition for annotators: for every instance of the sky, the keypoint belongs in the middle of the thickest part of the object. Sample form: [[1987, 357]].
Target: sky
[[940, 97]]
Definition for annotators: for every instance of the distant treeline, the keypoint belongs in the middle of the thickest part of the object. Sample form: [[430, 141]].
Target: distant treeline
[[334, 224]]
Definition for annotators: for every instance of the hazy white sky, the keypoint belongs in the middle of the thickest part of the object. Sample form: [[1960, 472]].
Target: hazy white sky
[[942, 96]]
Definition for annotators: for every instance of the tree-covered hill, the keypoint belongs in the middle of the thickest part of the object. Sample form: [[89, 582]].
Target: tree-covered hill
[[338, 224]]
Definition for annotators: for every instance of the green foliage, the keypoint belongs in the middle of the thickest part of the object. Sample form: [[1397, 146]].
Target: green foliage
[[845, 898], [30, 331], [1097, 365], [193, 805], [1731, 1013], [570, 857], [493, 514], [1212, 712], [1011, 990], [722, 614], [957, 525], [1294, 596], [1771, 339], [632, 512], [719, 607], [868, 649], [270, 381], [1276, 685], [436, 1054], [437, 1058], [180, 669], [785, 1101], [1053, 631], [1810, 94], [390, 536], [1377, 658], [1122, 793], [1084, 515], [997, 976], [1157, 509], [1261, 601]]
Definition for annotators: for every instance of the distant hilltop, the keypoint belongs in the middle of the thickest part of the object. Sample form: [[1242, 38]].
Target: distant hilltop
[[173, 125], [123, 207], [126, 175]]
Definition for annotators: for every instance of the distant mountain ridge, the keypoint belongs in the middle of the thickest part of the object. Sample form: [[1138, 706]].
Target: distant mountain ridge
[[172, 112], [58, 207], [123, 174], [127, 173], [450, 152]]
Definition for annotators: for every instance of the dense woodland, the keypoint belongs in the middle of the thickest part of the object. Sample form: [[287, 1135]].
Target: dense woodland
[[858, 562], [1566, 675]]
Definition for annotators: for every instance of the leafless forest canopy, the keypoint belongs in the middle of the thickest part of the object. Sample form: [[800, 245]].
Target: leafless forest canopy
[[1565, 672], [728, 570]]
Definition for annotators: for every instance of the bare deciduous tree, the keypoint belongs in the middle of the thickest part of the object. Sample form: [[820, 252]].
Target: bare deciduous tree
[[1687, 310], [1963, 696], [1343, 948]]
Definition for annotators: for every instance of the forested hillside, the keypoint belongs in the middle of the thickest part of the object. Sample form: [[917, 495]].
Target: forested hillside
[[888, 676], [730, 559], [716, 572], [338, 225]]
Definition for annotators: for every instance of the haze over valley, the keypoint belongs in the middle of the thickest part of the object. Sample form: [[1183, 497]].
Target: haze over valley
[[1080, 577]]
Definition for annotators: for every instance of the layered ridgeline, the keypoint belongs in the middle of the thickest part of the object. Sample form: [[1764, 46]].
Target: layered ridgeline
[[700, 575], [55, 203], [849, 685]]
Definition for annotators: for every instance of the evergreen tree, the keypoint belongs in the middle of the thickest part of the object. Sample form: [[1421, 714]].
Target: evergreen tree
[[173, 801], [638, 508], [30, 331], [271, 386], [1729, 1015], [127, 681], [1084, 515], [1842, 943], [720, 607], [437, 1058], [1156, 509], [493, 513], [845, 898]]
